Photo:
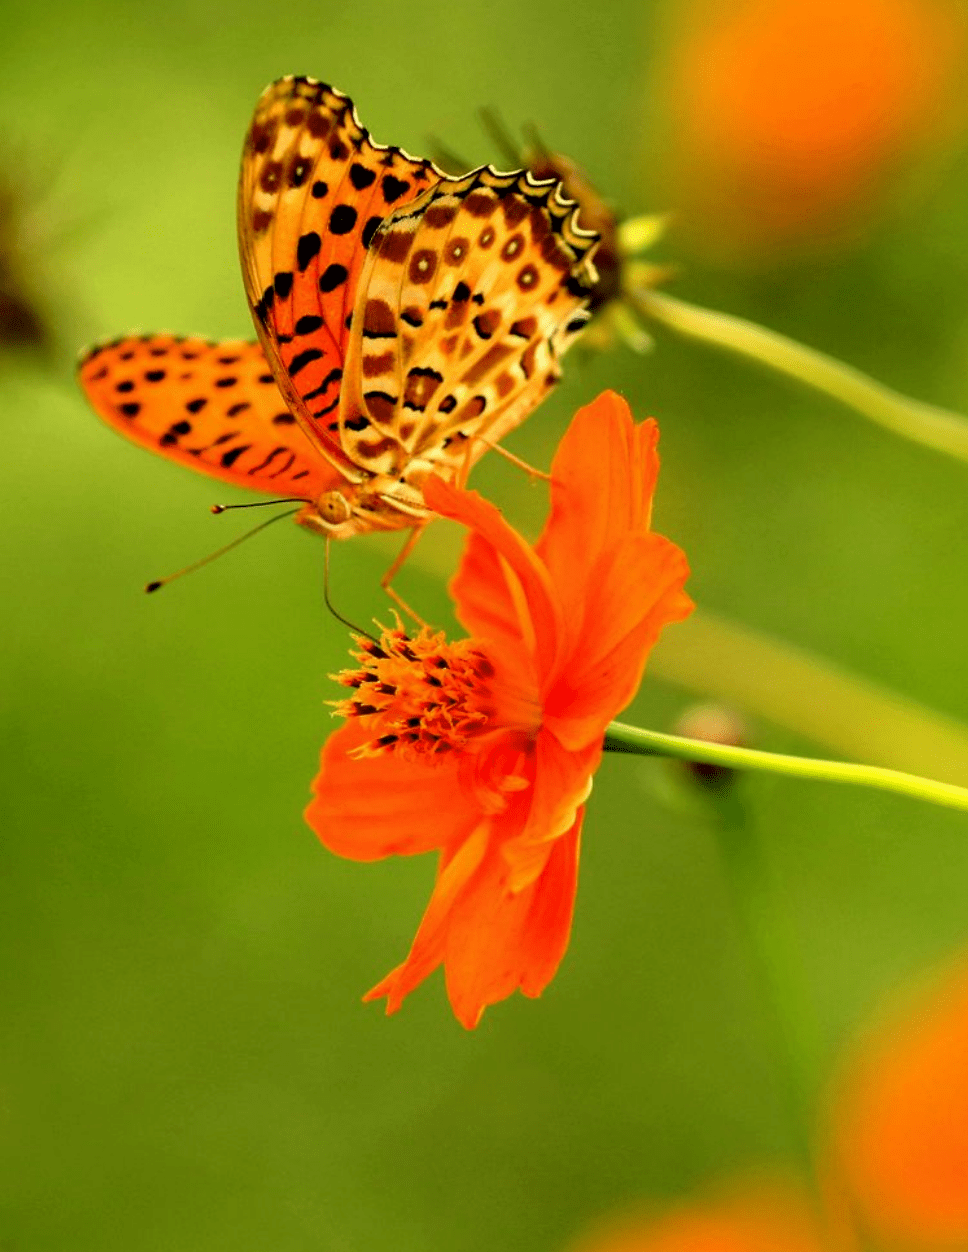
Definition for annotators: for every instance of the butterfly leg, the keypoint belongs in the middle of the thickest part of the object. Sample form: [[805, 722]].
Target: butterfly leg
[[531, 472], [464, 468], [411, 542]]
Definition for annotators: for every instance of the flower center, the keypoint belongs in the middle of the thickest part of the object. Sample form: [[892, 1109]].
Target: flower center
[[422, 697]]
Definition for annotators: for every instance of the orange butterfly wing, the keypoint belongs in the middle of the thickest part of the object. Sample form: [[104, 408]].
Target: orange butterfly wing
[[403, 309], [213, 407], [314, 190], [467, 299]]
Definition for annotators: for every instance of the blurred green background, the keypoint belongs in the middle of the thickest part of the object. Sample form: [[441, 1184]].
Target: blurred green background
[[184, 1058]]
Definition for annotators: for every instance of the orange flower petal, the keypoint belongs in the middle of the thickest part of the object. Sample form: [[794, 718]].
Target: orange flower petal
[[640, 578], [562, 782], [384, 806], [427, 950], [602, 480], [549, 919], [638, 592], [506, 585], [484, 606], [499, 941], [902, 1122]]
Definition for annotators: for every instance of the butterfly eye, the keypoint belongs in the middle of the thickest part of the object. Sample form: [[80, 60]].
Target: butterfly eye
[[334, 508]]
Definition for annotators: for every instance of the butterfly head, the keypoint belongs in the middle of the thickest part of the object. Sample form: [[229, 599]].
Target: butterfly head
[[331, 515], [334, 509], [380, 503]]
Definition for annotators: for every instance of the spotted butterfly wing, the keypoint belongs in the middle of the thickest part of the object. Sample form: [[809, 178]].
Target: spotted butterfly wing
[[467, 300], [313, 191], [214, 407], [405, 310]]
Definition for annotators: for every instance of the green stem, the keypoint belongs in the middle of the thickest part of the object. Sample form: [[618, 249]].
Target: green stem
[[622, 738], [773, 955], [923, 423]]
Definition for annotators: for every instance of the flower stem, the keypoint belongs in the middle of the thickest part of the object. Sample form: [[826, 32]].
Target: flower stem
[[923, 423], [773, 956], [846, 715], [622, 738]]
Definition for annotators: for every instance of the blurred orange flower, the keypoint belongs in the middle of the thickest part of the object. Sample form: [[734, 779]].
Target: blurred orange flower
[[787, 117], [901, 1122], [484, 749], [763, 1218], [895, 1156]]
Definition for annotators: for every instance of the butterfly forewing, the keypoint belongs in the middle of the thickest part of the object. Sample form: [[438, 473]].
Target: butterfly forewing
[[214, 407], [313, 191]]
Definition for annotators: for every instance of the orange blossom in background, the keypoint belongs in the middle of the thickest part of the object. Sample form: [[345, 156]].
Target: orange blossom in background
[[788, 117]]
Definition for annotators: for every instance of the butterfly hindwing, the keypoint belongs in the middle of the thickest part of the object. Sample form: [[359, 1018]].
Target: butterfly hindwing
[[314, 190], [213, 407], [467, 300]]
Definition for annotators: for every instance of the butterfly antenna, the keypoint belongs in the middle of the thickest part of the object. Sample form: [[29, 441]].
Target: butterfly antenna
[[258, 504], [500, 136], [358, 630], [212, 556], [448, 160], [537, 145]]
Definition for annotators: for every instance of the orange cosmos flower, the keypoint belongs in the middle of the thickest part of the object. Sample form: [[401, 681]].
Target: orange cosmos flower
[[484, 749], [901, 1123], [789, 118], [762, 1218]]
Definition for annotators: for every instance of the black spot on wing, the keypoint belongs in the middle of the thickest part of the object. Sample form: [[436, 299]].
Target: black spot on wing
[[332, 277], [328, 408], [229, 458], [302, 359], [306, 249], [342, 219], [264, 464], [307, 324], [393, 188], [333, 376], [361, 177], [265, 303]]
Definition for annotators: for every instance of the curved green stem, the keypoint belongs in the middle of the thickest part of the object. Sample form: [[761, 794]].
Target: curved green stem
[[622, 738], [923, 423]]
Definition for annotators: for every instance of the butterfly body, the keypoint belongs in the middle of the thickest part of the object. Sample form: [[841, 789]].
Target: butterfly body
[[407, 320]]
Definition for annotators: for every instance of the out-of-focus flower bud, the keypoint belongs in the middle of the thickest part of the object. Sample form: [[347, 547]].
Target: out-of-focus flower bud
[[715, 723]]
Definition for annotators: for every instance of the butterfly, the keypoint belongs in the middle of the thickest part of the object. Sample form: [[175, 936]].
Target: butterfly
[[407, 319]]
